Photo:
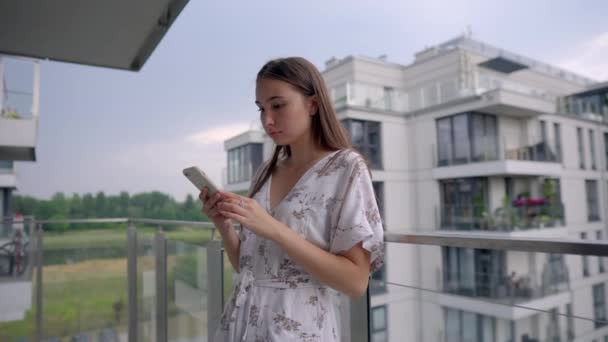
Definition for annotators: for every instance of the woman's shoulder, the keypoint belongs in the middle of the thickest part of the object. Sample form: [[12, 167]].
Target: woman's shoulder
[[343, 162], [351, 158]]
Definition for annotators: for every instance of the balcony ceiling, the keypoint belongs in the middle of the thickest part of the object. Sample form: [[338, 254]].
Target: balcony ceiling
[[111, 33]]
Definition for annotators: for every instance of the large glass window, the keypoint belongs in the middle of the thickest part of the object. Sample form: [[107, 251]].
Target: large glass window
[[543, 131], [606, 148], [474, 272], [464, 326], [585, 259], [592, 149], [366, 137], [570, 322], [379, 324], [464, 202], [6, 166], [379, 192], [581, 150], [600, 260], [466, 138], [599, 305], [593, 207], [243, 161]]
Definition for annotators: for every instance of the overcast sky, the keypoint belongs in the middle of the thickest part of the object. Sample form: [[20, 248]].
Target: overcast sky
[[109, 130]]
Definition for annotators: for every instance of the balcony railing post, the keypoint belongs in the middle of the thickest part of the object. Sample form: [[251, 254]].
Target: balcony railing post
[[360, 319], [132, 252], [215, 286], [160, 244], [39, 266]]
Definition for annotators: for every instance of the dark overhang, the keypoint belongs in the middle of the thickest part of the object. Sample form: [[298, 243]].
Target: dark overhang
[[118, 34]]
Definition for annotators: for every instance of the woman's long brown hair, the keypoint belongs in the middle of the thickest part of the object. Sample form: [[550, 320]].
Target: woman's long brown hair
[[328, 133]]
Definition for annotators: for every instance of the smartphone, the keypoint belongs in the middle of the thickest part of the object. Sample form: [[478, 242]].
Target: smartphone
[[200, 180]]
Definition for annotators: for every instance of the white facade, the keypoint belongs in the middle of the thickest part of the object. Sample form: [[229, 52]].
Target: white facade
[[19, 109], [467, 76]]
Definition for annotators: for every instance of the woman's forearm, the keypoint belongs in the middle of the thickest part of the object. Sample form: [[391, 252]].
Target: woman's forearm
[[347, 274]]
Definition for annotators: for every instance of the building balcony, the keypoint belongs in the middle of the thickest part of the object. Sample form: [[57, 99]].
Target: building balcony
[[370, 96], [152, 284], [18, 139], [487, 156], [511, 217], [509, 287], [18, 108]]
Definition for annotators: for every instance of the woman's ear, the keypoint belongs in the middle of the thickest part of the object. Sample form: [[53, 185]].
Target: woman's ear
[[314, 106]]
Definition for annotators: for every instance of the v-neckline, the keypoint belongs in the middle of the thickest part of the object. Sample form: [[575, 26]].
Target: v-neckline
[[269, 187]]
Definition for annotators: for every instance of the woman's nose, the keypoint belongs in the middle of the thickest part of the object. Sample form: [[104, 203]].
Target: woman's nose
[[267, 120]]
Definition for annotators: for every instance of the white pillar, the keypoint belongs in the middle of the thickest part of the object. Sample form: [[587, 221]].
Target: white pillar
[[36, 90]]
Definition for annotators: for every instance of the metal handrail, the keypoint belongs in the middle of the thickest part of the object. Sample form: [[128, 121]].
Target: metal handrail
[[440, 238], [496, 241]]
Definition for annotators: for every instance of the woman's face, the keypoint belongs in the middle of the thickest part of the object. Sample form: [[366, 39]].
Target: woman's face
[[285, 113]]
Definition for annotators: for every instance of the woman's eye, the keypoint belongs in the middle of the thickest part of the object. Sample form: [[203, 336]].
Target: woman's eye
[[277, 106]]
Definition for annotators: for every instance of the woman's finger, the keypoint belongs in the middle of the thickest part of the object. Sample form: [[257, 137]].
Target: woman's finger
[[240, 219], [230, 195], [213, 200], [202, 195], [233, 208]]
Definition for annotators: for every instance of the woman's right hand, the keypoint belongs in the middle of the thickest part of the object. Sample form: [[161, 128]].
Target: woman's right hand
[[211, 210]]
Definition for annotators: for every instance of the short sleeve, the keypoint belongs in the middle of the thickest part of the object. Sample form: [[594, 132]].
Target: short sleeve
[[358, 218]]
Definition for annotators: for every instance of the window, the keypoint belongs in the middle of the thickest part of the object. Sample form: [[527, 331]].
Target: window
[[581, 150], [378, 283], [6, 166], [593, 208], [463, 203], [243, 161], [365, 136], [463, 326], [592, 149], [466, 138], [606, 148], [585, 259], [600, 260], [558, 141], [379, 192], [570, 322], [599, 305], [473, 272], [379, 324], [543, 131], [553, 328]]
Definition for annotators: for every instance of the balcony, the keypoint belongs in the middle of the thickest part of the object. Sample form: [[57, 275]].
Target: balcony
[[18, 108], [487, 156], [509, 287], [153, 282], [369, 96], [508, 218]]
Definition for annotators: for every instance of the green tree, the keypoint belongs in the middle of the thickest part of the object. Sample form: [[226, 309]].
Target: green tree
[[88, 206]]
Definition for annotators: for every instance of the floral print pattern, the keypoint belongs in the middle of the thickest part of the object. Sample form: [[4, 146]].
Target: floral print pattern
[[333, 206]]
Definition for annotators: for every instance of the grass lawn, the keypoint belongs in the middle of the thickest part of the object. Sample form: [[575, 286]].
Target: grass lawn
[[83, 296]]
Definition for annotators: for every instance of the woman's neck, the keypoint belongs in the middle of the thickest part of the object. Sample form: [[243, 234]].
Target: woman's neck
[[304, 153]]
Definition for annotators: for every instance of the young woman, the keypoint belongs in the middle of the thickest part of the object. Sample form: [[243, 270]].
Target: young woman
[[310, 222]]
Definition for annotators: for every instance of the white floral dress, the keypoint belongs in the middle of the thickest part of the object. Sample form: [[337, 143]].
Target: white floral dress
[[333, 206]]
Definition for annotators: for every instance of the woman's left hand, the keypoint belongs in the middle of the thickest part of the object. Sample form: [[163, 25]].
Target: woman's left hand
[[249, 213]]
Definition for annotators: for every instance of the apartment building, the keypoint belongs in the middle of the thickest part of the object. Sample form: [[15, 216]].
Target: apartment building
[[474, 140]]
